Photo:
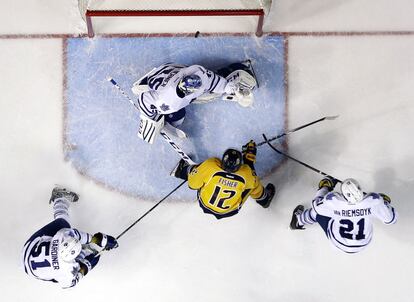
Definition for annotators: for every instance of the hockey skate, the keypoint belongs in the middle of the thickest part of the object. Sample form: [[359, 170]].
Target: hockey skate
[[60, 192], [270, 193], [294, 223]]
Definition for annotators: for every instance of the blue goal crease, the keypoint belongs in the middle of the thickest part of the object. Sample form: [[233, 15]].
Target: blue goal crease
[[102, 124]]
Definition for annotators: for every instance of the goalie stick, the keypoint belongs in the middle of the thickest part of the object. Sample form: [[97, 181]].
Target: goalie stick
[[176, 148]]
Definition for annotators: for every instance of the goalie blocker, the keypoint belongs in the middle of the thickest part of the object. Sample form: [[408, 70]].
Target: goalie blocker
[[149, 129]]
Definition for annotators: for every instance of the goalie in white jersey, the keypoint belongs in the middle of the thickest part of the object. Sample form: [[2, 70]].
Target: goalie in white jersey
[[345, 217], [60, 253], [165, 91]]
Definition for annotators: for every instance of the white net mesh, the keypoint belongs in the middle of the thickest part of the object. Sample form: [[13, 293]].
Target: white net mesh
[[167, 12], [174, 4]]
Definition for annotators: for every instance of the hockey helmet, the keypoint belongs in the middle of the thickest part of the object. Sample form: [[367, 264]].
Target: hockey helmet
[[69, 247], [189, 84], [232, 160], [351, 190]]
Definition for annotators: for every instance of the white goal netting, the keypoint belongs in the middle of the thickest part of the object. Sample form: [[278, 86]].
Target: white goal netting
[[173, 4], [224, 15]]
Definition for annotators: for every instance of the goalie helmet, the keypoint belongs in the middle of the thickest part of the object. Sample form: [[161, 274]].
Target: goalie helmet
[[351, 190], [232, 160], [189, 84], [69, 247]]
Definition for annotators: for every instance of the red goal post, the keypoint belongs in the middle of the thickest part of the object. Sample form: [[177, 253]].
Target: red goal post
[[173, 8]]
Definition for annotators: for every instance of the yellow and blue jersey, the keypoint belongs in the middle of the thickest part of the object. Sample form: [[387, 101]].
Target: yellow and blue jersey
[[222, 193]]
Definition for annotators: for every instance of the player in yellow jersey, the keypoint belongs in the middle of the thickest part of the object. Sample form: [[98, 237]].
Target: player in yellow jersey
[[224, 185]]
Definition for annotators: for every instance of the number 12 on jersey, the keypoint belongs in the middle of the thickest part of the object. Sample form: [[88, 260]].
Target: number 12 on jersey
[[223, 194]]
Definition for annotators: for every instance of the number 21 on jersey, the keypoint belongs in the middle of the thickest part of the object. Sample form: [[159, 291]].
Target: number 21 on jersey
[[347, 226]]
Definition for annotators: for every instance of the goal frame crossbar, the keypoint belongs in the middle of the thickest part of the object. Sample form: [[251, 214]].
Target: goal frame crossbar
[[174, 13]]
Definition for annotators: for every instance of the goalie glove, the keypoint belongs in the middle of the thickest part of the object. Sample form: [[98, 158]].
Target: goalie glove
[[239, 87], [106, 242], [231, 88], [149, 129], [249, 151]]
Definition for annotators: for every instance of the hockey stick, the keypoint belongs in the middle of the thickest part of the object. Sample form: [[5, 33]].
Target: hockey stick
[[298, 161], [147, 212], [298, 128], [163, 133]]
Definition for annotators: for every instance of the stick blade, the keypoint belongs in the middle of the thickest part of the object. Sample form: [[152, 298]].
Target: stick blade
[[332, 117]]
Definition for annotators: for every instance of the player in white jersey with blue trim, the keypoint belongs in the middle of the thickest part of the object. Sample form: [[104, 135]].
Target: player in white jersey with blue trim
[[59, 253], [345, 217], [165, 91]]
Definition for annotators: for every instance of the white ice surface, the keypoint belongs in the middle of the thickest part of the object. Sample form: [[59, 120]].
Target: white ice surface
[[179, 254]]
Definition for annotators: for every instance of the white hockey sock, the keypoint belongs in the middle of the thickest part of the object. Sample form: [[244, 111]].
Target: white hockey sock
[[61, 208], [308, 216]]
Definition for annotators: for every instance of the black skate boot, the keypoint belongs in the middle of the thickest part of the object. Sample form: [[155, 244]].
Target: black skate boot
[[59, 192], [266, 200], [294, 223]]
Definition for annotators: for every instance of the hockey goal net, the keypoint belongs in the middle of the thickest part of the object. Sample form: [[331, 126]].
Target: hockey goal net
[[168, 16]]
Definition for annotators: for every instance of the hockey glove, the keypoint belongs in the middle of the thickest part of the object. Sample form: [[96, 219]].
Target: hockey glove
[[106, 242], [249, 151], [385, 197], [328, 182], [181, 170], [88, 263]]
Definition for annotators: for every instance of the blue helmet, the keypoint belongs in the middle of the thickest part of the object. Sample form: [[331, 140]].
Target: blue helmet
[[189, 84]]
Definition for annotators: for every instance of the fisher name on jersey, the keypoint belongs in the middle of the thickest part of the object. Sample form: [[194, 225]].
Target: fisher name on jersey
[[40, 258], [221, 193], [350, 226], [163, 96]]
